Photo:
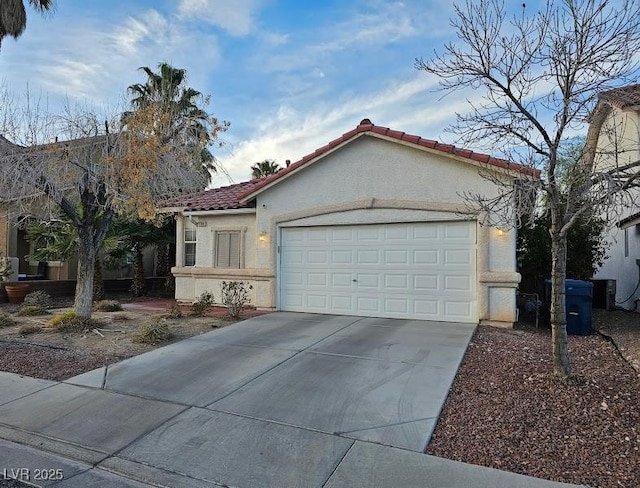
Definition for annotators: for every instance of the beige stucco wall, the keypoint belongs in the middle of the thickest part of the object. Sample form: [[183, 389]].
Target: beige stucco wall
[[192, 281], [621, 132], [366, 181]]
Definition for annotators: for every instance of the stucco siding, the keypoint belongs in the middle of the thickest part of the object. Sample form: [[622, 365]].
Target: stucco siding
[[621, 265], [367, 181]]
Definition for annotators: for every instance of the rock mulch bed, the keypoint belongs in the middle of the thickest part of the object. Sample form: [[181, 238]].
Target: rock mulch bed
[[507, 411]]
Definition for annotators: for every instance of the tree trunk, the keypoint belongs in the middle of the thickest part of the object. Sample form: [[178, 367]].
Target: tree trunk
[[162, 260], [138, 273], [86, 269], [561, 363], [98, 284]]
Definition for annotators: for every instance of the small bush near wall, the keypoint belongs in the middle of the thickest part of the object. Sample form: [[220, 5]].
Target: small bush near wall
[[202, 305], [235, 295], [38, 298]]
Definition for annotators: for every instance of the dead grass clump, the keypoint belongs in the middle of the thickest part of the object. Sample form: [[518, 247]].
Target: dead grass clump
[[32, 311], [153, 331], [29, 329], [108, 306], [6, 320]]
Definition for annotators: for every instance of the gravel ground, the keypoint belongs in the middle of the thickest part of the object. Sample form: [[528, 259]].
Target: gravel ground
[[505, 410]]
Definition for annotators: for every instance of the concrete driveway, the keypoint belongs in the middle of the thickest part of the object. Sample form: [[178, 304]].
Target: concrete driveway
[[285, 399]]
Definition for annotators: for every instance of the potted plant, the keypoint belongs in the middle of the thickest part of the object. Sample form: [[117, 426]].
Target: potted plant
[[16, 291]]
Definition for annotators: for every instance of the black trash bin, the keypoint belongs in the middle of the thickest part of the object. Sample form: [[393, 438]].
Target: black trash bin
[[579, 297]]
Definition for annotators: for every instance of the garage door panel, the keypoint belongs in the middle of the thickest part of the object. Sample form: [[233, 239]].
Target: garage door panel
[[342, 280], [395, 256], [457, 283], [458, 230], [318, 302], [397, 305], [368, 256], [425, 283], [342, 257], [317, 279], [398, 281], [342, 303], [411, 270], [457, 256], [425, 257], [368, 305], [365, 280]]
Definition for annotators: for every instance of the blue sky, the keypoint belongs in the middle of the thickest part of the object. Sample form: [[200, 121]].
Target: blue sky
[[289, 75]]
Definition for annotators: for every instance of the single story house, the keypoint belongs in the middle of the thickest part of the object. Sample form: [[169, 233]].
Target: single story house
[[373, 223]]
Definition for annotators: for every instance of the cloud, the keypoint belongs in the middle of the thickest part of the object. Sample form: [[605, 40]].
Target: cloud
[[237, 17], [291, 132], [96, 61]]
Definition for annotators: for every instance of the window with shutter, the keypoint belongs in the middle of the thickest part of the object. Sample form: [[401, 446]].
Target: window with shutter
[[228, 249]]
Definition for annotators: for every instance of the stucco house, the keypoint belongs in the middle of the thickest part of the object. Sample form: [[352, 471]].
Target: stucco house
[[371, 224], [619, 145]]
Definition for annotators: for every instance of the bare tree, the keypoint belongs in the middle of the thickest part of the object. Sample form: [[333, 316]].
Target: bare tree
[[99, 169], [538, 75]]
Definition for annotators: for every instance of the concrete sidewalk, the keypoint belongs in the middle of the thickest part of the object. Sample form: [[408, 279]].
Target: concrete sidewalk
[[281, 400]]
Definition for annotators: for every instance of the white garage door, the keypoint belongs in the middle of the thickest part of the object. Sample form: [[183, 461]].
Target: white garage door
[[424, 270]]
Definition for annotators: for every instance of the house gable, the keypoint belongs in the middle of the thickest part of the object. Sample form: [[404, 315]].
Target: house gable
[[366, 128]]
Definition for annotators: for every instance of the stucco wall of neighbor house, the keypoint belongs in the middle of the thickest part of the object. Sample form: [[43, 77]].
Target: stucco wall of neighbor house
[[375, 181], [192, 281], [621, 266], [621, 261]]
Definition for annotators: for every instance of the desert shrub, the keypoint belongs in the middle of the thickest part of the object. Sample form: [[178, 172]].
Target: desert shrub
[[6, 320], [235, 295], [153, 331], [121, 317], [174, 312], [70, 322], [202, 305], [32, 311], [38, 298], [29, 329], [108, 306]]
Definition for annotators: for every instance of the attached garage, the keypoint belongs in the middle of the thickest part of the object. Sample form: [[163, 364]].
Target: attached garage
[[376, 223], [419, 270]]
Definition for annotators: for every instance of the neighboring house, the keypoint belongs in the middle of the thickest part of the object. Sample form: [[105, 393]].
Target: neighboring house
[[619, 145], [14, 241], [371, 224]]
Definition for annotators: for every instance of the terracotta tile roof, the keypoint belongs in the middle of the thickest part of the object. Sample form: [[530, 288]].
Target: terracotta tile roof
[[367, 127], [627, 96], [223, 198]]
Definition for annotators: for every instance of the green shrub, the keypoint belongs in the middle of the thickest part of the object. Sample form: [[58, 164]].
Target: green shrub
[[153, 331], [108, 306], [32, 311], [29, 329], [38, 298], [202, 305], [70, 322], [6, 320], [235, 295], [174, 312]]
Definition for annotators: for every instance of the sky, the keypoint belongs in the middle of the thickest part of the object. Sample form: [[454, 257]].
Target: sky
[[289, 75]]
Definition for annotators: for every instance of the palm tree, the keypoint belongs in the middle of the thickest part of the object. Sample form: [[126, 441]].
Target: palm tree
[[186, 120], [131, 236], [264, 168], [13, 16]]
